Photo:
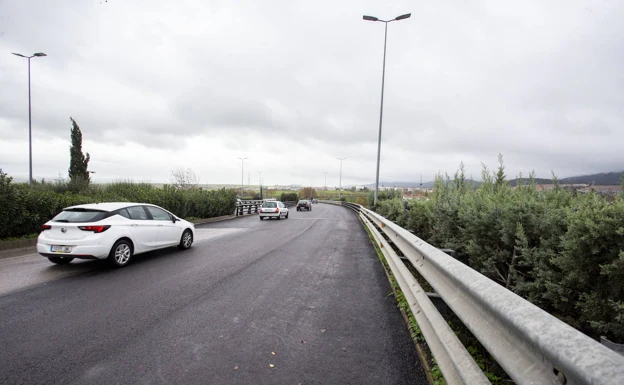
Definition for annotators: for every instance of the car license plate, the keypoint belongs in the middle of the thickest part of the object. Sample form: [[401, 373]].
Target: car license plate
[[61, 249]]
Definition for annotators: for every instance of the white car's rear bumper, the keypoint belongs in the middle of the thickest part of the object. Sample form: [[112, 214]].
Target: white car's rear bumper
[[78, 249], [269, 215]]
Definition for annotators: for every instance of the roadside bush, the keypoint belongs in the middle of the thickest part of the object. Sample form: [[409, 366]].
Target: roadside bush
[[383, 195], [289, 197], [25, 209], [560, 250]]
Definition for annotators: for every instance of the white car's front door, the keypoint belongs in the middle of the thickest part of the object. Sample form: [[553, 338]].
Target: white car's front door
[[170, 233], [144, 230]]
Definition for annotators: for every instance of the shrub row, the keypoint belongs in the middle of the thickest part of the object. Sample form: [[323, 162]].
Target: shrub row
[[23, 210], [560, 250], [289, 197]]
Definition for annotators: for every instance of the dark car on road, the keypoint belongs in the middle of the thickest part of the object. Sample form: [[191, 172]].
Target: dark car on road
[[304, 204]]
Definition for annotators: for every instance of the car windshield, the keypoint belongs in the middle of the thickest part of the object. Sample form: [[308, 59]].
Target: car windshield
[[79, 216], [270, 204]]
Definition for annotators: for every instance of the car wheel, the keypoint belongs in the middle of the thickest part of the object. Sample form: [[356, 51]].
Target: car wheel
[[261, 218], [121, 253], [286, 215], [279, 216], [60, 260], [187, 240]]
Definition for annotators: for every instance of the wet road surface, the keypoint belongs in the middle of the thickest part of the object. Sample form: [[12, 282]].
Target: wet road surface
[[297, 301]]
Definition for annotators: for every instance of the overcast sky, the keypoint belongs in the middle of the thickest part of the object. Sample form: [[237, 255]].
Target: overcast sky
[[293, 84]]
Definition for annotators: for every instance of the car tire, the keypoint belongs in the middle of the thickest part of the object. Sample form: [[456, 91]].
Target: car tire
[[186, 241], [279, 216], [261, 218], [60, 260], [121, 253], [286, 216]]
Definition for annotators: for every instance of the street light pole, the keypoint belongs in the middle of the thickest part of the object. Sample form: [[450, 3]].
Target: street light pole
[[242, 176], [325, 179], [383, 80], [30, 177], [340, 185]]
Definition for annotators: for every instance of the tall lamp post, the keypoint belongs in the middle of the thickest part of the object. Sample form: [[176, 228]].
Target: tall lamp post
[[242, 176], [383, 77], [30, 177], [325, 179], [260, 184], [340, 183]]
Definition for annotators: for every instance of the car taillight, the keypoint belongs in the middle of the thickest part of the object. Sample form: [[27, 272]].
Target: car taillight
[[46, 227], [95, 229], [277, 210]]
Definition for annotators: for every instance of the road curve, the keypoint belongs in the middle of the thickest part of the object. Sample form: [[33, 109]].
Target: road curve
[[297, 301]]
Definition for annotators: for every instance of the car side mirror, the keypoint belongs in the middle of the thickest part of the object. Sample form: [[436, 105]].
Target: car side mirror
[[174, 219]]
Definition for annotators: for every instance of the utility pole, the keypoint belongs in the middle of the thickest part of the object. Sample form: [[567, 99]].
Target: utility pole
[[242, 176], [383, 81], [325, 179], [340, 183], [30, 174]]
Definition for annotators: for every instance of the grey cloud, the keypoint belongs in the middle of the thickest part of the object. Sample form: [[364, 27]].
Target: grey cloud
[[539, 82]]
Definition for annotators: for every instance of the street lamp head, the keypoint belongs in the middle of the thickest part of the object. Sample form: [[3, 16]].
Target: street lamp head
[[18, 54], [39, 54], [406, 16], [370, 18]]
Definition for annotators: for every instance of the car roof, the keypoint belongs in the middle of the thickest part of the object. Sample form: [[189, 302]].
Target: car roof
[[106, 206]]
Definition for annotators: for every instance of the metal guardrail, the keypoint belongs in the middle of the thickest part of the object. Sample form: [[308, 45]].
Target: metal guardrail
[[248, 205], [254, 205], [532, 346]]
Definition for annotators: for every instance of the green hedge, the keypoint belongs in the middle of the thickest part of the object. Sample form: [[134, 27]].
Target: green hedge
[[560, 250], [23, 210], [289, 197]]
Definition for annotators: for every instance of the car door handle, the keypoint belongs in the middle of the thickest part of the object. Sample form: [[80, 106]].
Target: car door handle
[[160, 225], [134, 225]]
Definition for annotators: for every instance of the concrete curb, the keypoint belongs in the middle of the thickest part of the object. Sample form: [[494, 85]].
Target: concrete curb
[[17, 244], [210, 220]]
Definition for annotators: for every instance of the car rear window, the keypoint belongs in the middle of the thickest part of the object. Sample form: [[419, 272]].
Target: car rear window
[[80, 215], [270, 204], [303, 201]]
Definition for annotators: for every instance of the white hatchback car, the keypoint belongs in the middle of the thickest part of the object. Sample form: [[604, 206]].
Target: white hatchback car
[[273, 209], [113, 231]]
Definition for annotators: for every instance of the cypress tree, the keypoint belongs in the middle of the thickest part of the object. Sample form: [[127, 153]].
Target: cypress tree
[[78, 162]]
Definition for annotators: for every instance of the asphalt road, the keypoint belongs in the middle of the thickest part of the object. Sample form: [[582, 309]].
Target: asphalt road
[[297, 301]]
